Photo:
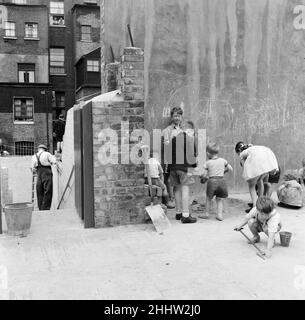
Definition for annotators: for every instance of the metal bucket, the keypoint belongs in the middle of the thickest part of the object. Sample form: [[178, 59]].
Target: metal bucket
[[18, 218], [285, 238]]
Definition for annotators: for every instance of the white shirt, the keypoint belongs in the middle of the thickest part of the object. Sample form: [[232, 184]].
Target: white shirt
[[169, 132], [271, 224], [46, 159], [154, 168]]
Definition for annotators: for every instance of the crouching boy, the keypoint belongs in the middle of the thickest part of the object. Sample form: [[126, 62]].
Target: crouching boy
[[263, 218]]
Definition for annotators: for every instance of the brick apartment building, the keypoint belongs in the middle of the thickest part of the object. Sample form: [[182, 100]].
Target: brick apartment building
[[25, 92], [40, 42]]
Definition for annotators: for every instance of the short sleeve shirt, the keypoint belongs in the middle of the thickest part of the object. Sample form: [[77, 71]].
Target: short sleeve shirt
[[169, 132], [216, 167], [154, 168], [271, 224]]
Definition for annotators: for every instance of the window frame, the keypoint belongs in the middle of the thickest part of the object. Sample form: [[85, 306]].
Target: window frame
[[57, 12], [93, 65], [7, 29], [30, 147], [30, 68], [25, 30], [27, 121], [82, 34], [55, 64]]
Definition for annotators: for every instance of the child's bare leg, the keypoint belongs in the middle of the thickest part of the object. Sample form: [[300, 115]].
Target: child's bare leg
[[254, 229], [260, 187], [252, 191], [208, 209], [219, 204], [185, 191], [177, 194], [208, 206]]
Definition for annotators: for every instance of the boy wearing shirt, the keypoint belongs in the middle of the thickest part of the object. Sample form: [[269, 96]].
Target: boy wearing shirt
[[263, 218], [215, 168]]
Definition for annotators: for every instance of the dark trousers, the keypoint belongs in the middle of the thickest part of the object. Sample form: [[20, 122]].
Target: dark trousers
[[44, 187]]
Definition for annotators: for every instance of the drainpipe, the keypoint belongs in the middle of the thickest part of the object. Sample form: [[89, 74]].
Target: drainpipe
[[44, 93]]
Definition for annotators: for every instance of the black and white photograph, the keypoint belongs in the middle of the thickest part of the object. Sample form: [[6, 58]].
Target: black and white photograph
[[152, 151]]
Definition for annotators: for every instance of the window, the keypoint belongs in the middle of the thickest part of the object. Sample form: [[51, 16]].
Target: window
[[93, 65], [10, 29], [26, 72], [24, 148], [57, 13], [85, 33], [23, 109], [60, 99], [31, 30], [57, 61]]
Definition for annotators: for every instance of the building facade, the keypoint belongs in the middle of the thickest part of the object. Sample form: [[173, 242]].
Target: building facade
[[25, 92], [40, 42]]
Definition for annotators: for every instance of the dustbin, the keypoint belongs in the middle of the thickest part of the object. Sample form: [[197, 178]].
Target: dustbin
[[18, 218]]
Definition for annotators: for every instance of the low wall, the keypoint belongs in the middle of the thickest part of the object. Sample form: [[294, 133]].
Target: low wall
[[16, 179]]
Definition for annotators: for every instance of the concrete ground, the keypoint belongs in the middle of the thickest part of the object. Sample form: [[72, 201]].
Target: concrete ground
[[60, 259]]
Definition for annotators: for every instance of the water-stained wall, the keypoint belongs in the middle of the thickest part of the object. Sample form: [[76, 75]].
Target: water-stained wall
[[237, 67]]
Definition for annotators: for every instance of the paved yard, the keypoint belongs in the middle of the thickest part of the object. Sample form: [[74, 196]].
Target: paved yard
[[207, 260]]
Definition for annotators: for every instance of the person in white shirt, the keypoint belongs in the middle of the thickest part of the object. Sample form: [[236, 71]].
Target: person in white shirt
[[156, 174], [41, 163], [263, 218], [168, 134]]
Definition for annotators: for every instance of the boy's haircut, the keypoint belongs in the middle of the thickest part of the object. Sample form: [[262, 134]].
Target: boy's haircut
[[264, 204], [212, 148], [176, 109]]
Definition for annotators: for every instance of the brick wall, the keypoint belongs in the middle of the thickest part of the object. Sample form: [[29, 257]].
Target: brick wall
[[11, 133], [16, 179], [112, 76], [119, 188]]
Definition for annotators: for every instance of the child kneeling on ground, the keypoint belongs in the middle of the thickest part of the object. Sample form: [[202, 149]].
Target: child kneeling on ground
[[263, 218], [215, 168]]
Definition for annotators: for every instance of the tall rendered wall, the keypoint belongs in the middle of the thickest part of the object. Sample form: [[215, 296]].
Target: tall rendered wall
[[235, 66]]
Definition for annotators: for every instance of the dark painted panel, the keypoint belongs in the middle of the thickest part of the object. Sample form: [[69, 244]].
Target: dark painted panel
[[87, 149], [78, 145]]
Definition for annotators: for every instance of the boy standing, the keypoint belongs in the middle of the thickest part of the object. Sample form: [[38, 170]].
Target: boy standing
[[183, 157], [167, 135], [263, 218], [215, 168]]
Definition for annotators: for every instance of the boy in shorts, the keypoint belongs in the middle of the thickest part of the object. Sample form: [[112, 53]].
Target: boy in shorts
[[263, 218], [215, 168], [156, 174], [183, 157]]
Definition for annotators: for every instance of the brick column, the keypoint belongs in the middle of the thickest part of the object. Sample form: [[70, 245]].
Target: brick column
[[119, 196], [133, 74]]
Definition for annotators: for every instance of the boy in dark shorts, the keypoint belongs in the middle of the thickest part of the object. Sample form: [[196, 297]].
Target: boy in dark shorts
[[215, 168], [183, 158]]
